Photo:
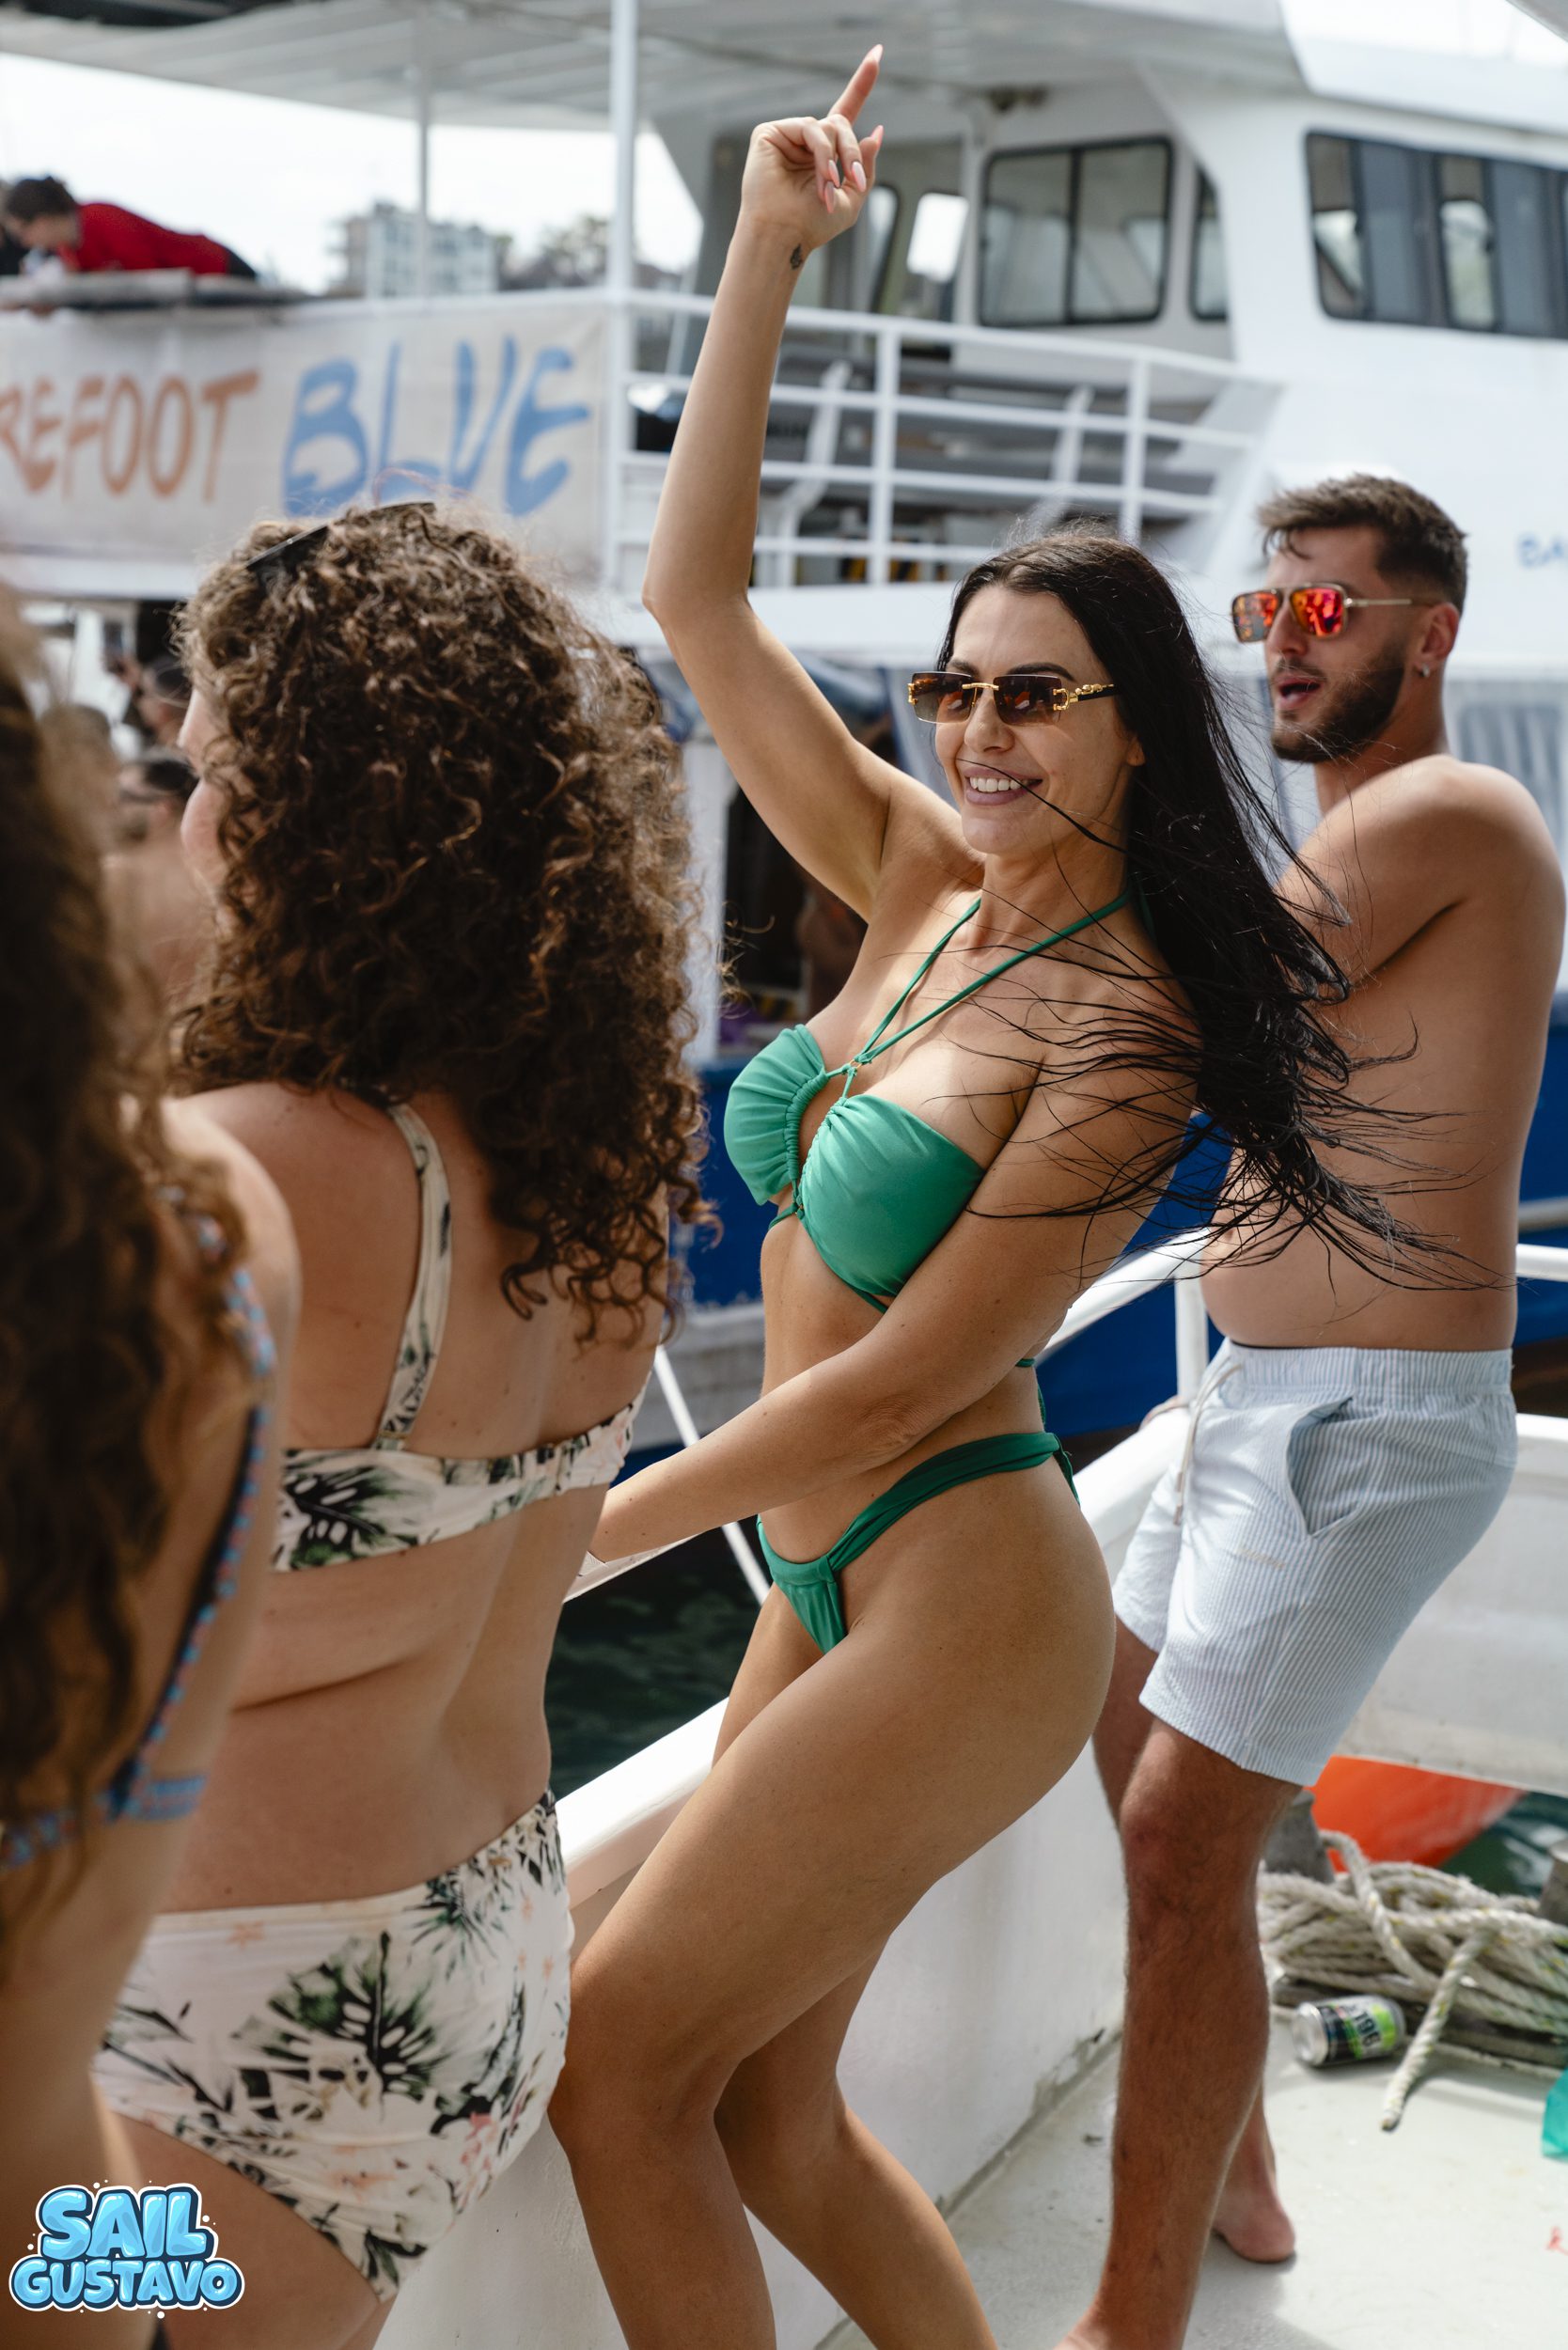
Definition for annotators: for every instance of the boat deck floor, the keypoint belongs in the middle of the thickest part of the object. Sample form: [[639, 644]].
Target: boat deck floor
[[1447, 2233]]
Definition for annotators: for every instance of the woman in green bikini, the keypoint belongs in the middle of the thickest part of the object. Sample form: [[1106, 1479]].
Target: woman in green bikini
[[1057, 971]]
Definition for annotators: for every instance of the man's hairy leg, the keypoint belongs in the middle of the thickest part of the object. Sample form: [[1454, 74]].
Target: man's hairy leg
[[1250, 2216], [1193, 1827]]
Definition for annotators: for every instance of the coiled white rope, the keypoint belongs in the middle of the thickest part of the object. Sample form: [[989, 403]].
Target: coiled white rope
[[1419, 1933]]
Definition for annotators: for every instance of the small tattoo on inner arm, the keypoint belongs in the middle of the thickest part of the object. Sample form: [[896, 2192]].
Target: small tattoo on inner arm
[[797, 258]]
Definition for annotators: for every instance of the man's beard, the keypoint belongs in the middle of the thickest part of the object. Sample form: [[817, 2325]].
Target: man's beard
[[1360, 710]]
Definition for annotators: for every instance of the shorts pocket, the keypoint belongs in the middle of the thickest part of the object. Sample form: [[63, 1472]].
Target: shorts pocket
[[1325, 1474]]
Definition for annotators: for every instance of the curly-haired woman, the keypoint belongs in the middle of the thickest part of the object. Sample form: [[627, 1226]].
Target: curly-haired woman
[[146, 1290], [1058, 969], [445, 1013]]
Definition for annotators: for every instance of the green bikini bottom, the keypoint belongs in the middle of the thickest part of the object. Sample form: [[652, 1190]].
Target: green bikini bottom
[[811, 1585]]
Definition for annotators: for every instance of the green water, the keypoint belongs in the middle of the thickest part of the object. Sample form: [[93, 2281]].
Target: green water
[[1514, 1854], [641, 1655]]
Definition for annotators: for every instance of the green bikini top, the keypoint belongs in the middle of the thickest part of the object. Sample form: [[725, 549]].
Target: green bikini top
[[879, 1186]]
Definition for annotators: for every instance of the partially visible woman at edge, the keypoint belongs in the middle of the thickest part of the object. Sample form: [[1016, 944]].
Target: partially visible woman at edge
[[445, 1013], [147, 1292], [1058, 969]]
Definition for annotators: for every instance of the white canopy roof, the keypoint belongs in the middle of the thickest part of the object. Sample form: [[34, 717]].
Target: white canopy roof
[[512, 62], [544, 64]]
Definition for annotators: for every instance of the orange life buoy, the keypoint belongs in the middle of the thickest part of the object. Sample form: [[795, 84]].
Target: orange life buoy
[[1396, 1813]]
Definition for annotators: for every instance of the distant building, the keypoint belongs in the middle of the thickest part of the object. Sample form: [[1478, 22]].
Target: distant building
[[573, 253], [576, 253], [377, 254]]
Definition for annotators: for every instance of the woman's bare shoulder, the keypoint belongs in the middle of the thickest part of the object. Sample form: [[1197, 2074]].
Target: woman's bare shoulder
[[288, 1129], [1108, 1001], [271, 1255], [340, 1164]]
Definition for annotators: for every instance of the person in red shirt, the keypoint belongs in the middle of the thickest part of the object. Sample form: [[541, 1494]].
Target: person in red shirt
[[44, 215]]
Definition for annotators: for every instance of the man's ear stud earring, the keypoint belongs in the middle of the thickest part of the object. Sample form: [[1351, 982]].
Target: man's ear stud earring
[[1424, 668]]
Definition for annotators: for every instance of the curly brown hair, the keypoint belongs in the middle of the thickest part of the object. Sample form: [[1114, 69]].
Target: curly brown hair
[[93, 1375], [456, 859]]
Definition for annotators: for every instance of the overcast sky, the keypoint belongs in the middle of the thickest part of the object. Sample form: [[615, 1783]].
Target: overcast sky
[[269, 178], [1479, 27]]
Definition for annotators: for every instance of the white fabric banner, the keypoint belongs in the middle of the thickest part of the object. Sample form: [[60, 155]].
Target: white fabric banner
[[135, 447]]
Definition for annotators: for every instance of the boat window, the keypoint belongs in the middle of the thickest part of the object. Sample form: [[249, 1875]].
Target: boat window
[[1465, 220], [1436, 239], [915, 275], [1336, 227], [1119, 226], [878, 220], [1076, 235], [1530, 288], [1394, 184], [1027, 234], [1207, 290], [930, 265]]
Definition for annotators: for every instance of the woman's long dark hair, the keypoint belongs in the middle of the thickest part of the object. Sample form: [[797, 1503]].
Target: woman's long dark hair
[[1263, 1069], [94, 1377]]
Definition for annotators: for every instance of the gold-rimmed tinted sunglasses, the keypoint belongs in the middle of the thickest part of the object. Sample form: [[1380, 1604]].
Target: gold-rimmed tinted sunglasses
[[941, 696]]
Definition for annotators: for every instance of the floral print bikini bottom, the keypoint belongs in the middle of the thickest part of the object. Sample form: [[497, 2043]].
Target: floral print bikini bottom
[[373, 2064]]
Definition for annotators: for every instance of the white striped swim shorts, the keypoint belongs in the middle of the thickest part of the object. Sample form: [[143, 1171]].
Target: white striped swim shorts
[[1324, 1495]]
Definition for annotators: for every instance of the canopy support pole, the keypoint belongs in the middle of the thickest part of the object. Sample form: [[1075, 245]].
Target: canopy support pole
[[620, 278], [622, 257], [422, 101]]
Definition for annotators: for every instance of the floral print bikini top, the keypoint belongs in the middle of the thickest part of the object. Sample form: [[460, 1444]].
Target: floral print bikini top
[[345, 1505]]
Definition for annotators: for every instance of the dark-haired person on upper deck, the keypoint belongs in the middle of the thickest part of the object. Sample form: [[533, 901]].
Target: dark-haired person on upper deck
[[91, 237], [1356, 1434]]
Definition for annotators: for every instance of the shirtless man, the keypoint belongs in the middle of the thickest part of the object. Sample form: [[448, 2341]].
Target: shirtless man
[[1355, 1437]]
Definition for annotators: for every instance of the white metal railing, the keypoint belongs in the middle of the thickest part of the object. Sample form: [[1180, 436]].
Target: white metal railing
[[679, 1411], [1125, 1283], [1173, 418], [1138, 1277], [147, 289], [900, 443]]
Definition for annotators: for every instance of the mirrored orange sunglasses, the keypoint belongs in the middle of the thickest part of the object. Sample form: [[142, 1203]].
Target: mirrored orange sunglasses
[[1317, 611]]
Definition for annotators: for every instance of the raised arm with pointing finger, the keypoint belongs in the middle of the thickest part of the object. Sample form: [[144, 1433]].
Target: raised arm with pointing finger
[[826, 798]]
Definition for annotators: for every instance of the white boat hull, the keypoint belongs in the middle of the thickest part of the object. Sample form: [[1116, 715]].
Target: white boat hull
[[1006, 1980]]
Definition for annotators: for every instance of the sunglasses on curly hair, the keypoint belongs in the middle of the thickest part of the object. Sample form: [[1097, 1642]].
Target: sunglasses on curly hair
[[941, 696], [284, 560], [1318, 611]]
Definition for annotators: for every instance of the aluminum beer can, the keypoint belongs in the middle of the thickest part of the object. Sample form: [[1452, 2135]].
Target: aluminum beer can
[[1355, 2030]]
